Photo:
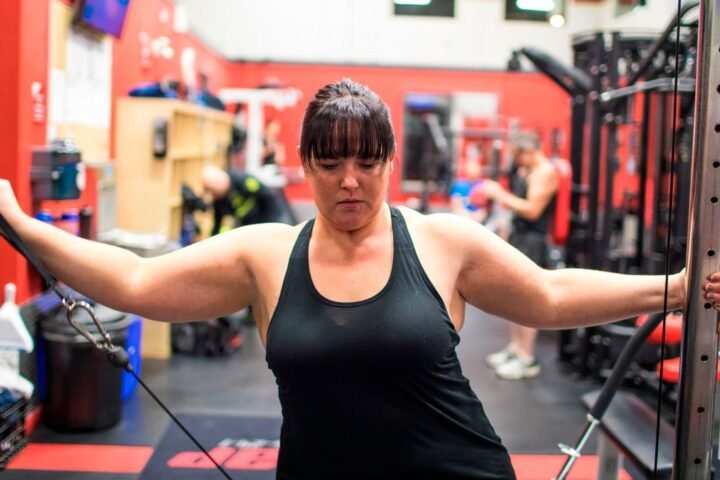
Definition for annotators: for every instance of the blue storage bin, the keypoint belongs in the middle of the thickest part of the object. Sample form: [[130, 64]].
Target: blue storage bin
[[133, 345]]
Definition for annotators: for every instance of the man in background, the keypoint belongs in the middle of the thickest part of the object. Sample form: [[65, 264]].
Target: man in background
[[533, 188], [241, 196]]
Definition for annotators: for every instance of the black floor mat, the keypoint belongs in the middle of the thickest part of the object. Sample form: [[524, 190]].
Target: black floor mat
[[245, 446]]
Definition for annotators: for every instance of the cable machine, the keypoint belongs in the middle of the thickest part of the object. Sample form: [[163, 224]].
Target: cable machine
[[693, 432]]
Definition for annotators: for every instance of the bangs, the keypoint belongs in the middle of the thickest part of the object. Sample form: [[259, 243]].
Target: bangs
[[347, 128]]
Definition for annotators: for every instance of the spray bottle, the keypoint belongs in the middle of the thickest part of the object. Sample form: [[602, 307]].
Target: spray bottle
[[13, 332]]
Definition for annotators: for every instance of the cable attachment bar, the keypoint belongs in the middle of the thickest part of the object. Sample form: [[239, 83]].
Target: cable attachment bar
[[115, 354], [573, 453]]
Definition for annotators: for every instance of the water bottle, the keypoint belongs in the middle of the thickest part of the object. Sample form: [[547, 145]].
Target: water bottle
[[86, 214], [70, 221], [45, 216]]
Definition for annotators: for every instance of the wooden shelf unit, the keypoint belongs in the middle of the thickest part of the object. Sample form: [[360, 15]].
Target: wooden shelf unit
[[148, 188]]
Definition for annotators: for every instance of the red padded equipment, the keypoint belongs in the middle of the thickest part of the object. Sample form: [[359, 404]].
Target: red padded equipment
[[671, 371], [673, 329], [560, 228]]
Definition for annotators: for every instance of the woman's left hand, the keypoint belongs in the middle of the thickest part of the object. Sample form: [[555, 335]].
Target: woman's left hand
[[712, 289]]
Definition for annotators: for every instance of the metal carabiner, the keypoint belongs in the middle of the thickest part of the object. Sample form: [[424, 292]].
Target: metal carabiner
[[71, 305]]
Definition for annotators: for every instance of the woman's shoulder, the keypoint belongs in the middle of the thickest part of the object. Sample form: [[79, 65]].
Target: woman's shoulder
[[273, 232], [447, 227], [263, 237], [263, 248]]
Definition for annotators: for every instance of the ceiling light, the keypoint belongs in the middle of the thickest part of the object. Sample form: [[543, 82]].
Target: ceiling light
[[557, 20], [413, 2]]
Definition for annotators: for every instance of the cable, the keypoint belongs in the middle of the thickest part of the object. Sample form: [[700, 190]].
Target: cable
[[668, 242], [179, 423], [116, 355]]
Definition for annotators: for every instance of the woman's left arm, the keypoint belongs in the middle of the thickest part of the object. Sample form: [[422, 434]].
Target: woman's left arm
[[497, 278], [589, 297]]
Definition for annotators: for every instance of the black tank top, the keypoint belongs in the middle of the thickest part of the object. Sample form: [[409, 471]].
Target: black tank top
[[519, 187], [373, 389]]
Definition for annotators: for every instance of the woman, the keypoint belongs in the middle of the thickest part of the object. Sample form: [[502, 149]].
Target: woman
[[273, 152], [359, 309]]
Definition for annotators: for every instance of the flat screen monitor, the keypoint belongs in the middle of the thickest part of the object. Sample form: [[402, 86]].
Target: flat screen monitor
[[106, 16]]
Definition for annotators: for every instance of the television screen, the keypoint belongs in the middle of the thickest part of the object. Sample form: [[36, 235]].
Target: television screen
[[107, 16]]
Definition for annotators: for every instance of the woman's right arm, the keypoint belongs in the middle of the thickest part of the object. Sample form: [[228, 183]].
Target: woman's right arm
[[202, 281]]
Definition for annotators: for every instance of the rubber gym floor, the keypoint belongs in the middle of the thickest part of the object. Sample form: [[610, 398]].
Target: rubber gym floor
[[531, 416]]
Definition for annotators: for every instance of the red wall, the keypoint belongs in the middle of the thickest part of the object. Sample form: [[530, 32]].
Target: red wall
[[23, 46], [129, 69], [531, 98]]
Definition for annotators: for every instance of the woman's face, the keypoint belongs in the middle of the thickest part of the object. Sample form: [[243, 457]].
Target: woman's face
[[349, 192]]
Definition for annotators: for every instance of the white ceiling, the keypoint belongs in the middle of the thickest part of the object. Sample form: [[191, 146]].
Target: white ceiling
[[367, 32]]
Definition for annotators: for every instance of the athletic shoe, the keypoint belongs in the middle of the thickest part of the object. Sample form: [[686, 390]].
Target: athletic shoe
[[494, 360], [518, 368]]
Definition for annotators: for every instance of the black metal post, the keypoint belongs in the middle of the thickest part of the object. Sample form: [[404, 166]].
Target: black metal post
[[695, 410]]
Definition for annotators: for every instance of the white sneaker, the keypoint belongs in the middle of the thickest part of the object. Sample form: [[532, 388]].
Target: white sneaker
[[494, 360], [518, 368]]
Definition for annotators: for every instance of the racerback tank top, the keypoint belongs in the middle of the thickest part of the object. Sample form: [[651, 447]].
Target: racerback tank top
[[373, 389]]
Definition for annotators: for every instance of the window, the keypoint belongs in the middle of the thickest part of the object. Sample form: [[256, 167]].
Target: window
[[625, 6], [430, 8], [532, 10], [426, 142]]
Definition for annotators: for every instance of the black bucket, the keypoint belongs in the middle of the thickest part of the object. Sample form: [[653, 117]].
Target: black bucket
[[83, 389]]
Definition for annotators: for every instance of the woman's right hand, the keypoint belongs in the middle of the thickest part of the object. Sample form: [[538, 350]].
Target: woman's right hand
[[9, 207]]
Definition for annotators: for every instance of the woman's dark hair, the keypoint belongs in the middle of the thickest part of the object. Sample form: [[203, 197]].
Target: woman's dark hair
[[346, 119]]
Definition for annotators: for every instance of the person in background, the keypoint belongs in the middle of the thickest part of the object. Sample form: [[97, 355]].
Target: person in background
[[533, 186], [241, 196], [361, 308], [206, 97], [273, 152]]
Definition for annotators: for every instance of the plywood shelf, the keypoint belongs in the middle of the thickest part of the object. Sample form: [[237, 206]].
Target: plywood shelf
[[148, 188], [180, 155]]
